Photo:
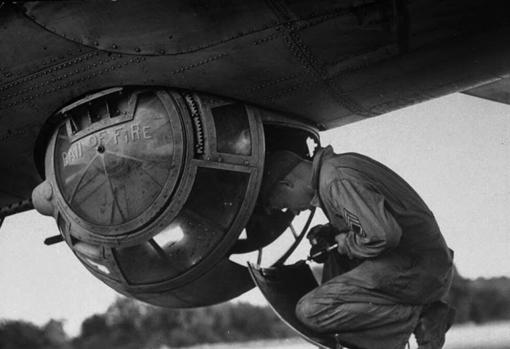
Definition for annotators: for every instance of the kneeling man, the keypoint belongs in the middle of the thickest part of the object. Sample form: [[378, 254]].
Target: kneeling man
[[392, 269]]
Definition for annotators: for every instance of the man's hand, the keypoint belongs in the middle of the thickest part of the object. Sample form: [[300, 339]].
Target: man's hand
[[321, 237], [322, 234], [340, 240]]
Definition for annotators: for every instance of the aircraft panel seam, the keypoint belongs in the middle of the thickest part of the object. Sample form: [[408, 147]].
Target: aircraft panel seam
[[205, 61], [58, 78], [68, 84], [310, 62], [42, 72]]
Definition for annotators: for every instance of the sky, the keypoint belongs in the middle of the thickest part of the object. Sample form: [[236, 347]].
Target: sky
[[453, 150]]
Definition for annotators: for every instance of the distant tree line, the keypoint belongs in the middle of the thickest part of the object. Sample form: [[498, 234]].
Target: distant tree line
[[24, 335], [129, 324], [481, 300]]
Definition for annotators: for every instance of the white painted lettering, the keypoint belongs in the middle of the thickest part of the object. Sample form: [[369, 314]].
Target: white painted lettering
[[135, 132], [102, 136], [93, 141], [116, 134], [146, 132], [74, 153], [124, 134]]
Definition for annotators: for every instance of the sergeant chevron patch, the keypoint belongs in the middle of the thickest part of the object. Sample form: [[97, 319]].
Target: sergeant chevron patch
[[354, 223]]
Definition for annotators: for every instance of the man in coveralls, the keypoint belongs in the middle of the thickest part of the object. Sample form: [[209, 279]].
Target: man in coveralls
[[393, 268]]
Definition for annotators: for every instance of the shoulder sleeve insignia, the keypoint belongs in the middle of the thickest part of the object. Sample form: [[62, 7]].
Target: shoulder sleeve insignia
[[354, 223]]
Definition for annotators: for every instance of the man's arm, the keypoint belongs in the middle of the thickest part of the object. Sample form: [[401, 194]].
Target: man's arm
[[373, 229]]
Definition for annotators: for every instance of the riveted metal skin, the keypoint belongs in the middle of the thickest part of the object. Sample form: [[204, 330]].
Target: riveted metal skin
[[330, 62], [171, 25], [16, 207]]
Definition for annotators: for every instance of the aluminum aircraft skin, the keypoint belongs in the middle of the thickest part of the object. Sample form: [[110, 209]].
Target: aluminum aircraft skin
[[328, 62], [321, 63]]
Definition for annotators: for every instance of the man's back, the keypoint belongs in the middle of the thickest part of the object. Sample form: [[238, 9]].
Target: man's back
[[415, 268]]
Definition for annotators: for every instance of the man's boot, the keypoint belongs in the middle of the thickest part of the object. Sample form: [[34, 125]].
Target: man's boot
[[434, 322]]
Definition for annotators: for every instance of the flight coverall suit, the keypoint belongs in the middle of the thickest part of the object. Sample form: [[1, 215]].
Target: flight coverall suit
[[396, 258]]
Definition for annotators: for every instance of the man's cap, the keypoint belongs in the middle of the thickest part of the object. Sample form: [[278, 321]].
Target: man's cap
[[277, 166]]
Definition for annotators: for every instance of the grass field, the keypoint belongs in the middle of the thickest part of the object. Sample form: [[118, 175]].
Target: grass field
[[488, 336]]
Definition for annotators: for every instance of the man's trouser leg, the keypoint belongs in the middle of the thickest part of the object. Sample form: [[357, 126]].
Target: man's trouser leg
[[359, 316], [435, 320]]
